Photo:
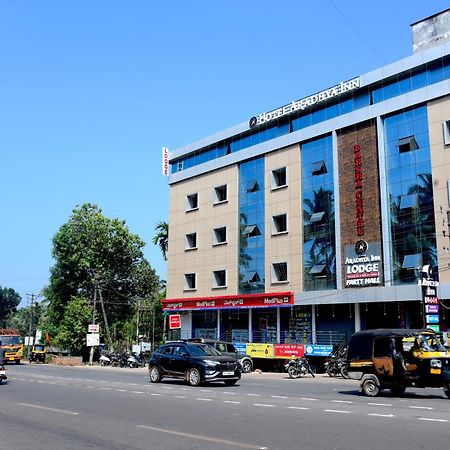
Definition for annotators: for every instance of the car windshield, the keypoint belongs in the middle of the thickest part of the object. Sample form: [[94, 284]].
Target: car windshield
[[203, 349], [430, 343], [10, 340]]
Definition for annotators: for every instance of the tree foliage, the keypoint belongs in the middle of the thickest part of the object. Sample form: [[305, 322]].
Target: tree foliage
[[161, 238], [9, 301], [93, 252]]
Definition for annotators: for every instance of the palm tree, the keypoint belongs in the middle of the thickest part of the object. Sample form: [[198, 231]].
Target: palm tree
[[161, 238]]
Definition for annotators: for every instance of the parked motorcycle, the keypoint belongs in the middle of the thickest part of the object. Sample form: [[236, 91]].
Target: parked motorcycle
[[119, 360], [105, 359], [2, 374], [298, 367], [136, 360], [337, 364]]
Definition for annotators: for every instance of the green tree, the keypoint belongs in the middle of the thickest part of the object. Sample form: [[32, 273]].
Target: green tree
[[161, 238], [93, 253], [9, 301]]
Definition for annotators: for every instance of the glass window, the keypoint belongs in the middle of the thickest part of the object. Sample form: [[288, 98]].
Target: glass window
[[220, 235], [219, 279], [189, 281], [220, 194], [190, 242], [279, 178], [279, 224], [279, 272], [192, 202]]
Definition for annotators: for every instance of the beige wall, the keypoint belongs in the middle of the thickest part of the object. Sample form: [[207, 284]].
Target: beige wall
[[202, 221], [284, 247], [438, 112]]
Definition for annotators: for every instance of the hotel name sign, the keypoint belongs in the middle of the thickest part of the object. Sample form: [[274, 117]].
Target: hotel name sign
[[300, 105]]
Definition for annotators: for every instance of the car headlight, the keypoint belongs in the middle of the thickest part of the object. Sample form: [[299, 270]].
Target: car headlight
[[210, 362], [436, 363]]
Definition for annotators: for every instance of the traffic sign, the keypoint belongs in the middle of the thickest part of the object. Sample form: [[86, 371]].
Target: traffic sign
[[92, 328]]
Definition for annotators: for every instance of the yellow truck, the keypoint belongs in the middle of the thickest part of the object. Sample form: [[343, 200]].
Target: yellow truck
[[11, 343]]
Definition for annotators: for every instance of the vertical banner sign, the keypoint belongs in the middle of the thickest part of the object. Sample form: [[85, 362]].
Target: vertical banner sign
[[165, 161], [430, 299]]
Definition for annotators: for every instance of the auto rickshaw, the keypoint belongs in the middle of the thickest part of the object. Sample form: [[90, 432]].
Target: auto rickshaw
[[395, 359], [38, 353]]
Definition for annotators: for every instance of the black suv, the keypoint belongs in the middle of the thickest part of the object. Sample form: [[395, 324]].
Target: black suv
[[227, 348], [195, 362]]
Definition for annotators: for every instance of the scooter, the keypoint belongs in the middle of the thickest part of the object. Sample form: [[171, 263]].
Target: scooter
[[135, 360], [105, 360], [2, 374]]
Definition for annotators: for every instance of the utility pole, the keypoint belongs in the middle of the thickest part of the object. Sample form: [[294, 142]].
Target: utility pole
[[137, 320], [91, 354], [105, 319], [30, 329]]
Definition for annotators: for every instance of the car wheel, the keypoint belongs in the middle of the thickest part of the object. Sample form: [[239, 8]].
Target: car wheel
[[155, 375], [370, 388], [246, 366], [194, 378], [230, 382]]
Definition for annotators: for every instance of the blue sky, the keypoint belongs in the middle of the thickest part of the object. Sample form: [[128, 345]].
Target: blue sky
[[91, 91]]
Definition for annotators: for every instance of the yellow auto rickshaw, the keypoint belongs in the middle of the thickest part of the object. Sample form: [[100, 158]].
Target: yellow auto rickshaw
[[395, 359], [38, 353]]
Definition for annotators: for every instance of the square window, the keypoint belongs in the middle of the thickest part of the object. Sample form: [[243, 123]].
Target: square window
[[220, 194], [409, 201], [412, 261], [190, 242], [279, 272], [220, 235], [407, 144], [192, 202], [219, 279], [318, 168], [279, 178], [446, 130], [190, 281], [252, 186], [251, 231], [279, 224]]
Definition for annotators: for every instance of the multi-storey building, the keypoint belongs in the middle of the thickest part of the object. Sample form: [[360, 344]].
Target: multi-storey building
[[319, 216]]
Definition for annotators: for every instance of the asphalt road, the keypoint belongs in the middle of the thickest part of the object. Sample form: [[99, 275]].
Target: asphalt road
[[49, 407]]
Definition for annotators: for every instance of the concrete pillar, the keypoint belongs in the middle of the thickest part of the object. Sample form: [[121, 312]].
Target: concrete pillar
[[357, 318]]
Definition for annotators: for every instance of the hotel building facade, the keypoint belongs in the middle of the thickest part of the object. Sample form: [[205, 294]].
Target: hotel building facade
[[316, 219]]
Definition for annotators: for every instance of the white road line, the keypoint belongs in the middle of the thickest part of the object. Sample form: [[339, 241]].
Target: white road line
[[121, 390], [379, 404], [341, 401], [105, 389], [229, 393], [308, 398], [337, 411], [203, 438], [46, 408], [381, 415], [254, 395], [205, 390], [421, 407], [137, 392], [179, 396], [155, 394], [204, 399], [232, 402], [278, 396], [265, 405], [298, 407], [432, 420]]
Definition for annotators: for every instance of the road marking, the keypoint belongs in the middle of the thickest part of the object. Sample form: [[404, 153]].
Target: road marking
[[381, 415], [420, 407], [379, 404], [105, 389], [278, 396], [137, 392], [202, 438], [229, 393], [204, 399], [308, 398], [337, 411], [232, 402], [121, 390], [62, 411], [432, 420], [265, 405], [179, 396], [155, 394], [298, 407], [341, 401], [205, 390], [254, 395]]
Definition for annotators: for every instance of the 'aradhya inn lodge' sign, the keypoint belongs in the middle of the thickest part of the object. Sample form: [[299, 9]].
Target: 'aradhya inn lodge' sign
[[363, 266]]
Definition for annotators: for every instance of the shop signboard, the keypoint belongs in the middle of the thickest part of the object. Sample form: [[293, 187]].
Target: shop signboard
[[288, 350], [363, 264], [431, 309], [260, 350], [318, 350], [434, 318], [241, 347], [174, 321], [279, 299], [435, 328], [430, 299]]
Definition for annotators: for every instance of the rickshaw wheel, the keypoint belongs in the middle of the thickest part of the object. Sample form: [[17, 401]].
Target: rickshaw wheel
[[397, 391], [447, 390], [370, 388]]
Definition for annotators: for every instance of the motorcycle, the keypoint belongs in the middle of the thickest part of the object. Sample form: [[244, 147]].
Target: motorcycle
[[2, 374], [337, 364], [105, 359], [135, 360], [298, 367]]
